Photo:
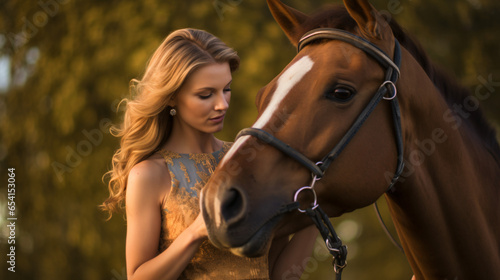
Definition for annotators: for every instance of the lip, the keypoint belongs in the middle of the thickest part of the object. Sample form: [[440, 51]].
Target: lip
[[259, 242], [218, 118], [255, 245]]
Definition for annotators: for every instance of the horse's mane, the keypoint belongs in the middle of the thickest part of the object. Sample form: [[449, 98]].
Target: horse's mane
[[337, 17]]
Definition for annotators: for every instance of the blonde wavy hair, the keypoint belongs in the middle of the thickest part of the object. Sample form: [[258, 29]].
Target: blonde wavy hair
[[147, 122]]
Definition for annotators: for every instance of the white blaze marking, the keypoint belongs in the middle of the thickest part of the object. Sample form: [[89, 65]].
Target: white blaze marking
[[286, 82], [234, 148], [217, 216]]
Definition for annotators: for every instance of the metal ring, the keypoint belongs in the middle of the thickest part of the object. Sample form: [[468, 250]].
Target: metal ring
[[327, 242], [315, 203], [314, 176], [336, 267], [393, 86]]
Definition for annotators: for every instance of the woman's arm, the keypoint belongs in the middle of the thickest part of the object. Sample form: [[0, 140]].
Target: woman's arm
[[146, 188], [290, 257]]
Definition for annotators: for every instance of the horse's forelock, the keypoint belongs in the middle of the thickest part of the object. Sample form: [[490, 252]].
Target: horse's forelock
[[332, 16]]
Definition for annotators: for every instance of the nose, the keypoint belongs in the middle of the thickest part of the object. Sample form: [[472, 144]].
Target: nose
[[222, 102], [233, 205]]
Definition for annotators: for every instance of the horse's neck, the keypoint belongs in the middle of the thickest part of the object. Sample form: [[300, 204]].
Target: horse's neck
[[446, 206]]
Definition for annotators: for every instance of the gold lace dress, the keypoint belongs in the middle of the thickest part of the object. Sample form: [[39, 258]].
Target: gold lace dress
[[189, 173]]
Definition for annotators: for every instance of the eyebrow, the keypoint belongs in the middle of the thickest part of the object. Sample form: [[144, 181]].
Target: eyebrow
[[211, 88]]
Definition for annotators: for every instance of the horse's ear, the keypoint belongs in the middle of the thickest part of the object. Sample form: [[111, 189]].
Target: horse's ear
[[288, 18], [368, 18]]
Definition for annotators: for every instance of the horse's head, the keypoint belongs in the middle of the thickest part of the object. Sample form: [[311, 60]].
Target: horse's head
[[310, 106]]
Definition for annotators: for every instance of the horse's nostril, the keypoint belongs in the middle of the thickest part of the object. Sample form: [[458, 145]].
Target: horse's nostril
[[233, 205]]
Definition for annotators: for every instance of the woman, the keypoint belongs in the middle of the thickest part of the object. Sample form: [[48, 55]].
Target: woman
[[167, 153]]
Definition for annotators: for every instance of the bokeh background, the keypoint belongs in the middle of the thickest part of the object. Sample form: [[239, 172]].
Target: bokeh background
[[65, 65]]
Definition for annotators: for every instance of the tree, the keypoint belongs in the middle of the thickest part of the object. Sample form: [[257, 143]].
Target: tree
[[70, 64]]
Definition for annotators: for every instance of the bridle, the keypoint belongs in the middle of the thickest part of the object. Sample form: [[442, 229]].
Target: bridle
[[333, 243]]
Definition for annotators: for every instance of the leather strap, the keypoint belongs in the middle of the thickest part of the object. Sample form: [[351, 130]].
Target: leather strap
[[266, 137], [392, 75]]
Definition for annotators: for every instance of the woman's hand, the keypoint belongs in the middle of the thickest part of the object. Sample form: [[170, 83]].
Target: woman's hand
[[198, 228]]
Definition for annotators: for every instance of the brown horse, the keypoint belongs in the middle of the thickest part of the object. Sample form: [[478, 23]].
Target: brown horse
[[446, 203]]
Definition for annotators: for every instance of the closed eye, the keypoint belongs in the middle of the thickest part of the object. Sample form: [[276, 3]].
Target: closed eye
[[205, 96]]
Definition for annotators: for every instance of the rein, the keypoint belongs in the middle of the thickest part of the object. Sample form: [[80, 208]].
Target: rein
[[388, 87]]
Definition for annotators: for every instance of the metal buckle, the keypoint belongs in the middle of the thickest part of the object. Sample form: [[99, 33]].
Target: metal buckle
[[395, 91], [314, 176], [327, 242], [338, 268]]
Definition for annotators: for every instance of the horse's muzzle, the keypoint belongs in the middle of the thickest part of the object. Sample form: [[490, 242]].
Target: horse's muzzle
[[223, 210], [231, 225]]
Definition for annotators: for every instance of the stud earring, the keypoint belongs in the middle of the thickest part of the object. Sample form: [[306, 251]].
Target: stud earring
[[173, 112]]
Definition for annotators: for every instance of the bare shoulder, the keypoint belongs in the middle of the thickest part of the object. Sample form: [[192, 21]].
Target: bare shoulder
[[149, 180]]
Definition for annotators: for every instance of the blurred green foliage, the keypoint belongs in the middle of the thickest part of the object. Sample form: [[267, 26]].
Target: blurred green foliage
[[69, 63]]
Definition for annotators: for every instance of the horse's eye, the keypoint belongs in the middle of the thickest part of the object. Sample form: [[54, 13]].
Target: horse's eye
[[341, 94]]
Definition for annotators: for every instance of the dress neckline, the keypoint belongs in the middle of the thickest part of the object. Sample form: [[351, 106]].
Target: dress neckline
[[224, 145]]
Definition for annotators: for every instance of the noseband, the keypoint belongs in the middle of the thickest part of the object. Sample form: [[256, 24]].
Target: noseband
[[388, 87]]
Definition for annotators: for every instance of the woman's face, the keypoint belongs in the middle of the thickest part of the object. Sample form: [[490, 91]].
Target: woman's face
[[203, 100]]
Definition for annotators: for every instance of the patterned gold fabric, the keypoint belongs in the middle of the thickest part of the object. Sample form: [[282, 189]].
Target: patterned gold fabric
[[189, 173]]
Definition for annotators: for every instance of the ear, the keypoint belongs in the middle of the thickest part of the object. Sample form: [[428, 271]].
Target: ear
[[369, 20], [289, 19]]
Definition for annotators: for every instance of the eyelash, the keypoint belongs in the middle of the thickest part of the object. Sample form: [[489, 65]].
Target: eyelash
[[209, 95]]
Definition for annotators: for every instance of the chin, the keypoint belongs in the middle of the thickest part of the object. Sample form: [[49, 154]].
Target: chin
[[213, 129], [257, 246]]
